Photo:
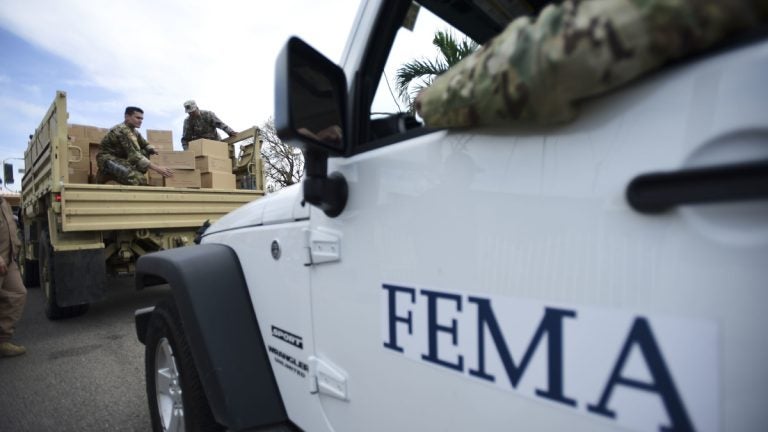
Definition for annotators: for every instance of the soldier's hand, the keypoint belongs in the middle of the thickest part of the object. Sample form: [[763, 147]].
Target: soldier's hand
[[153, 151], [165, 171], [232, 133], [3, 267]]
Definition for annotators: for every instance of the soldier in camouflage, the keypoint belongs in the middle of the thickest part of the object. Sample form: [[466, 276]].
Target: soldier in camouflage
[[202, 124], [123, 153], [537, 71]]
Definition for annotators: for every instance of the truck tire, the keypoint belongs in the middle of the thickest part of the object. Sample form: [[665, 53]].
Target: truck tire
[[177, 401], [47, 271], [30, 273]]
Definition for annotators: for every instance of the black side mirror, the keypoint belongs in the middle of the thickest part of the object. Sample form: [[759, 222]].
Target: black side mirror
[[310, 96], [8, 173], [310, 110]]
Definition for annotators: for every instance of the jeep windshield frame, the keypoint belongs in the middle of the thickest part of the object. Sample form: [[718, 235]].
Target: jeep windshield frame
[[478, 19]]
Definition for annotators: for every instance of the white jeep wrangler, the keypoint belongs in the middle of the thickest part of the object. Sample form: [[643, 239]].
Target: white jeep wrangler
[[609, 274]]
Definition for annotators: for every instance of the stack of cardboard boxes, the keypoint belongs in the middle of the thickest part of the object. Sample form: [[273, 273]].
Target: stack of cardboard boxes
[[213, 162], [161, 140], [183, 165], [205, 165], [83, 146]]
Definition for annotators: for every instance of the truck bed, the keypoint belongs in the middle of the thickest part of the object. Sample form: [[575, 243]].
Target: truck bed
[[84, 207], [91, 207]]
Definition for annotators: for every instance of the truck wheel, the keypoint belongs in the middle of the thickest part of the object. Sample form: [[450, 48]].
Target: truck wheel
[[30, 273], [177, 401], [47, 282]]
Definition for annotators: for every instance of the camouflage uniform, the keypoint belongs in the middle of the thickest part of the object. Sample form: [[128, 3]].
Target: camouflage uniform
[[537, 71], [126, 147], [203, 126]]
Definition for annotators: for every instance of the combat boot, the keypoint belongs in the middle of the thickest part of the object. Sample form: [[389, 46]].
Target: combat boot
[[8, 349]]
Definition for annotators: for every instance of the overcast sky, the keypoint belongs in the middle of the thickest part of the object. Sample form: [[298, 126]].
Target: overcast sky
[[154, 54]]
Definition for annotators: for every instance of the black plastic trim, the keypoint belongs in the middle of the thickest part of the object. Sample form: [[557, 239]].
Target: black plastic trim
[[658, 192], [141, 318], [212, 297], [366, 80]]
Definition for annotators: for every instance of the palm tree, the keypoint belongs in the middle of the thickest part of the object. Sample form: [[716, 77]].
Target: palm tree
[[418, 74]]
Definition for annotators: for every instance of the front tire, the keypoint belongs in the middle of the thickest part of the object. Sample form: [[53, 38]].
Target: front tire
[[29, 272], [177, 401], [48, 284]]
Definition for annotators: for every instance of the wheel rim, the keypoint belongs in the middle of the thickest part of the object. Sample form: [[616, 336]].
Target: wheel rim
[[168, 388]]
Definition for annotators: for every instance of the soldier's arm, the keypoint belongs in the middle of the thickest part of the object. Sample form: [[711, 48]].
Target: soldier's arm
[[147, 148], [186, 134], [134, 157], [220, 125], [536, 71]]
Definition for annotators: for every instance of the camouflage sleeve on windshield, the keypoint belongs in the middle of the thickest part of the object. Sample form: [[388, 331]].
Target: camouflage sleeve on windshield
[[536, 71]]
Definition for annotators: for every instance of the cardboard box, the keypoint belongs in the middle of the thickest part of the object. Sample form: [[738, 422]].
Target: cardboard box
[[183, 178], [211, 164], [95, 135], [174, 159], [94, 150], [217, 180], [78, 148], [206, 147], [156, 137], [162, 146], [77, 131], [155, 181], [78, 175]]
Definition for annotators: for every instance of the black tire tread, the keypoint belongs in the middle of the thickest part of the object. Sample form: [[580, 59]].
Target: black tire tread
[[165, 322], [30, 274]]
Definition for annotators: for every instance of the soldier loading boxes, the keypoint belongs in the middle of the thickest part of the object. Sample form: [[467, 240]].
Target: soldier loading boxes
[[100, 229], [206, 164], [84, 141]]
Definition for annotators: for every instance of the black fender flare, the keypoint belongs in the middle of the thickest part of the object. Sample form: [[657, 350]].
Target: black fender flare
[[212, 297]]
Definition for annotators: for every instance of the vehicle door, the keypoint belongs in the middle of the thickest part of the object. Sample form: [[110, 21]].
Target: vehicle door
[[272, 251], [499, 279]]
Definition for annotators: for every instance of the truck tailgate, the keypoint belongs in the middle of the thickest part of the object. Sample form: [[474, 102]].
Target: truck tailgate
[[90, 207]]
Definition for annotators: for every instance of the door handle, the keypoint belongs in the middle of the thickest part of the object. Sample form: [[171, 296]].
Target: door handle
[[653, 193]]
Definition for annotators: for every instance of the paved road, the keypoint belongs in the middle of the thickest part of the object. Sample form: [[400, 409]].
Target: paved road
[[81, 374]]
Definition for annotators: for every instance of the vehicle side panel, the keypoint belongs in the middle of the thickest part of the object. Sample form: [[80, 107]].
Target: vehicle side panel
[[212, 298]]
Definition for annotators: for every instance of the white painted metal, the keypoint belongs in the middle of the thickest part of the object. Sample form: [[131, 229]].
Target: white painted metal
[[529, 219], [540, 215]]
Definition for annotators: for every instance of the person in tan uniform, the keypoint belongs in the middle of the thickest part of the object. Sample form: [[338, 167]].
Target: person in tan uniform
[[13, 294]]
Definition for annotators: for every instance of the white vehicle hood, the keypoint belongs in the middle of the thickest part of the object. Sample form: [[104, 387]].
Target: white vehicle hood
[[279, 207]]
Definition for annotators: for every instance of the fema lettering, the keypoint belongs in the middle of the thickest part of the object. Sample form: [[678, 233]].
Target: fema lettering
[[440, 315]]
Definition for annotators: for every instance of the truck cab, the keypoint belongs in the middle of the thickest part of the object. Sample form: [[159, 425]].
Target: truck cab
[[605, 274]]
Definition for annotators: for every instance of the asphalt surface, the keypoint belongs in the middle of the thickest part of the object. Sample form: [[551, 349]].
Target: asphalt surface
[[80, 374]]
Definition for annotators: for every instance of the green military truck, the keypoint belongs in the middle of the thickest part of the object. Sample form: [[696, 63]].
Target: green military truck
[[76, 233]]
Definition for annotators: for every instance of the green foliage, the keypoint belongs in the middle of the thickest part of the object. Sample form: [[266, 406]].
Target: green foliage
[[418, 74]]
